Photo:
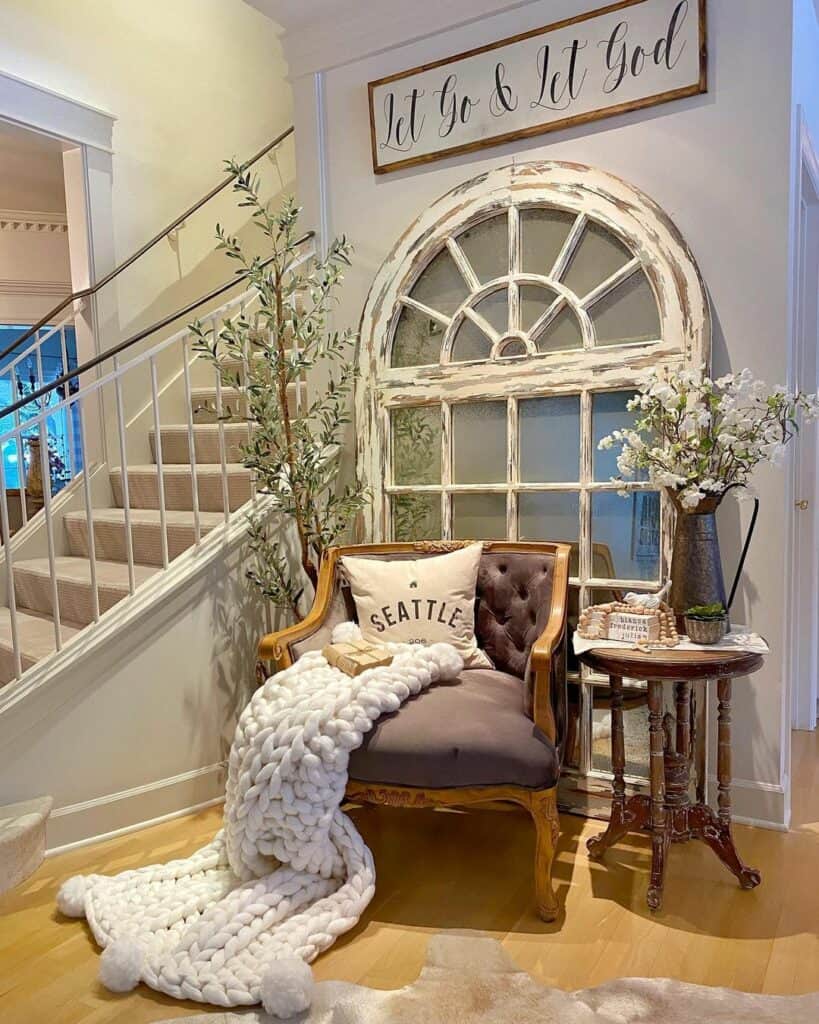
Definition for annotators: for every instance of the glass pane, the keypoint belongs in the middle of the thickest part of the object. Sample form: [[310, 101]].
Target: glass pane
[[416, 517], [416, 445], [478, 516], [609, 413], [534, 301], [562, 333], [470, 342], [635, 729], [571, 744], [486, 246], [572, 616], [440, 286], [627, 314], [417, 340], [626, 534], [494, 308], [479, 443], [551, 515], [597, 256], [543, 232], [513, 348], [549, 439]]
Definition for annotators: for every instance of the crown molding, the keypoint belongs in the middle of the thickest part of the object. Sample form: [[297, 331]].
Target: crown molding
[[58, 289], [33, 220]]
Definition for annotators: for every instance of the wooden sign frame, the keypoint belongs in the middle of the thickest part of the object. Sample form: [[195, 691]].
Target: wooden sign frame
[[700, 85]]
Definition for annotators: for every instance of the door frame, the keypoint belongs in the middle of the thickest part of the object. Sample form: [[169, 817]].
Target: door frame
[[86, 133], [802, 651]]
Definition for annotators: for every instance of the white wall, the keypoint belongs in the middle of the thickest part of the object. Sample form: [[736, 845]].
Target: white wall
[[34, 260], [190, 83], [141, 725], [717, 163], [140, 728]]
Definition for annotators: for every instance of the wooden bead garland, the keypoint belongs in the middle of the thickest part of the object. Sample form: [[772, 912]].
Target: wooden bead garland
[[595, 623]]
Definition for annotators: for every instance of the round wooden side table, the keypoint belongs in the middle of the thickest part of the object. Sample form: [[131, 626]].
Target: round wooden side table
[[668, 813]]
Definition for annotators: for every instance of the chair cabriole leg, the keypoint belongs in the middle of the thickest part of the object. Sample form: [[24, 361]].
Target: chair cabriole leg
[[543, 808]]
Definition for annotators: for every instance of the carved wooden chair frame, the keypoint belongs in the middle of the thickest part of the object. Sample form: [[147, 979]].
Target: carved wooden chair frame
[[545, 652]]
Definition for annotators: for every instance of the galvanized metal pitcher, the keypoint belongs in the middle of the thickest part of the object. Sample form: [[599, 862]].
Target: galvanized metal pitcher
[[696, 565]]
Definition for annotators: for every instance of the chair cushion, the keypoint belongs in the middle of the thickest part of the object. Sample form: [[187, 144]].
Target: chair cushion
[[470, 732]]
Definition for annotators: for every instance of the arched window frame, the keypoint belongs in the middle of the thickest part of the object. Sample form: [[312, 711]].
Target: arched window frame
[[588, 194]]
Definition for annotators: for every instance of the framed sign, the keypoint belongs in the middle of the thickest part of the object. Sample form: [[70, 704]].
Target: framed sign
[[631, 54]]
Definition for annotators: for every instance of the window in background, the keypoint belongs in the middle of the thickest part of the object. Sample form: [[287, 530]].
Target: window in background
[[58, 353]]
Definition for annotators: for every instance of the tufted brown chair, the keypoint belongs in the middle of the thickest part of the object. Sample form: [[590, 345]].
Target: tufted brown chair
[[492, 734]]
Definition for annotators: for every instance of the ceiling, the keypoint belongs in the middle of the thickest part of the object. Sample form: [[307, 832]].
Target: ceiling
[[328, 33], [295, 15]]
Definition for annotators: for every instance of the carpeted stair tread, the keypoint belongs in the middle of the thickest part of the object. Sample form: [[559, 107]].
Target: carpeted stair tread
[[32, 585], [143, 486], [146, 535], [22, 839], [35, 632], [149, 516], [176, 445], [234, 402]]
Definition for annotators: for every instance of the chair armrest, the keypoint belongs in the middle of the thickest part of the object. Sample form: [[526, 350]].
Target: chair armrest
[[547, 658], [276, 647]]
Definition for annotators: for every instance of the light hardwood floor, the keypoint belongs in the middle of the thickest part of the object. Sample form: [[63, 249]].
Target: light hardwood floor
[[473, 870]]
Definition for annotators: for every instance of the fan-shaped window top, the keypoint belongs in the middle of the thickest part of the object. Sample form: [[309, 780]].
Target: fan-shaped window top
[[528, 281]]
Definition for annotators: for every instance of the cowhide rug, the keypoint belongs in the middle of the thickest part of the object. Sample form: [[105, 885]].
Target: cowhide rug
[[469, 979]]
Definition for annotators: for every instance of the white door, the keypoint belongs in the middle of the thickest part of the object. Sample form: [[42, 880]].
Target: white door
[[805, 599]]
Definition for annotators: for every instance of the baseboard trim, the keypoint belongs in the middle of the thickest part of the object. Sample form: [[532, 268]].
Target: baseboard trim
[[116, 814], [756, 803]]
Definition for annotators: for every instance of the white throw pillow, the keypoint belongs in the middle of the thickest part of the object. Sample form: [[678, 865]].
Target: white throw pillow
[[419, 601]]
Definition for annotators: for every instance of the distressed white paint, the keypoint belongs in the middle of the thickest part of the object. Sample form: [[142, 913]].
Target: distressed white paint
[[594, 196]]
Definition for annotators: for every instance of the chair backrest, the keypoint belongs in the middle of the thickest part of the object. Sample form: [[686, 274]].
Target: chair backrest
[[513, 598]]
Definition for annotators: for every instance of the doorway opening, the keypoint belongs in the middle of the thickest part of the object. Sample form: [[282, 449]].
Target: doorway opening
[[35, 277]]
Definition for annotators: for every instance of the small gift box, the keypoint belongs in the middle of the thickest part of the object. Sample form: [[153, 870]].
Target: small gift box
[[356, 657]]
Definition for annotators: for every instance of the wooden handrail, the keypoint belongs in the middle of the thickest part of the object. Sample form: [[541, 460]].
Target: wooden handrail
[[139, 336], [84, 293]]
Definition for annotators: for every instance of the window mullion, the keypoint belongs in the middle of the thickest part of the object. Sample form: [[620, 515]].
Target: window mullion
[[512, 468], [446, 470], [514, 269], [586, 455]]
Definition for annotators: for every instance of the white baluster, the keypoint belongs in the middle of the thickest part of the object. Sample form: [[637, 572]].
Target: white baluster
[[89, 516], [10, 595], [21, 467], [160, 471], [247, 355], [45, 469], [186, 373], [221, 428], [123, 458], [69, 417]]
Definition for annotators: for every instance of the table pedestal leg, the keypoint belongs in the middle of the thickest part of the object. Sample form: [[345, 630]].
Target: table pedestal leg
[[621, 820], [659, 834], [668, 814], [715, 828]]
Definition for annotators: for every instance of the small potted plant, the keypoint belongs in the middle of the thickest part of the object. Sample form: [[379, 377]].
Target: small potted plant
[[706, 623]]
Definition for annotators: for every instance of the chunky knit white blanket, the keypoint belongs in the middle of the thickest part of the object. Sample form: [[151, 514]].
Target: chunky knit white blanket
[[238, 921]]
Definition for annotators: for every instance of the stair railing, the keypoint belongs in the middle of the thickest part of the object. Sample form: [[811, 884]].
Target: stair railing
[[27, 351], [107, 391]]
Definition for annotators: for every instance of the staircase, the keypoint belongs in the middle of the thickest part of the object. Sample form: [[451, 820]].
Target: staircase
[[190, 484], [126, 621]]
